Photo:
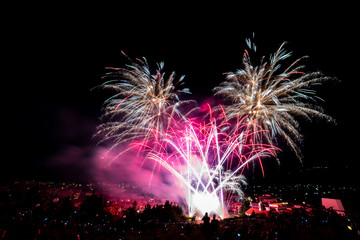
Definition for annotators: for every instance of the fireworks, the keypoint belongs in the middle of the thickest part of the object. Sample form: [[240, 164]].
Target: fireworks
[[207, 163], [271, 98], [143, 102], [206, 158]]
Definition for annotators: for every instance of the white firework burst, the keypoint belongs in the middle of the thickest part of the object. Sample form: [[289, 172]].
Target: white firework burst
[[143, 102], [271, 97]]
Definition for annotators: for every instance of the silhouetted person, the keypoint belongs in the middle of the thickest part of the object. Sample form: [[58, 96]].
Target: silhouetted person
[[206, 219], [214, 224]]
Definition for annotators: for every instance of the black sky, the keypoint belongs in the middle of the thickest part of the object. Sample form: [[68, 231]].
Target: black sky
[[57, 54]]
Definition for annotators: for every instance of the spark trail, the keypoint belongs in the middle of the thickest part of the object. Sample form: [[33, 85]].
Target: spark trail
[[207, 163], [206, 158], [271, 97], [142, 102]]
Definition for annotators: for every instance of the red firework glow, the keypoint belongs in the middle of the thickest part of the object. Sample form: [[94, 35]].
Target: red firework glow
[[203, 161], [207, 162]]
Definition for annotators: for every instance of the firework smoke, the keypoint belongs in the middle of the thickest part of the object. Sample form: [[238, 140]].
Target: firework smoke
[[207, 162]]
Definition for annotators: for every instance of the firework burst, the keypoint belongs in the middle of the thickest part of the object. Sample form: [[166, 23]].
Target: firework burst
[[270, 97], [143, 102], [207, 162], [206, 158]]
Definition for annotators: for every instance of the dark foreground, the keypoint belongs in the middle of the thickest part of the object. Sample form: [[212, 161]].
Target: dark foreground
[[32, 214]]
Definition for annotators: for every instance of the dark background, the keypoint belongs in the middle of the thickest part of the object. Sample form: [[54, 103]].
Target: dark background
[[54, 55]]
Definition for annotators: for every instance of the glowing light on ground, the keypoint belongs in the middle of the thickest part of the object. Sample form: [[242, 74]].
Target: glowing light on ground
[[206, 202]]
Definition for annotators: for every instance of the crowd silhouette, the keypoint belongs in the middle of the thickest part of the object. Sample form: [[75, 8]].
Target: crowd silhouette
[[37, 216]]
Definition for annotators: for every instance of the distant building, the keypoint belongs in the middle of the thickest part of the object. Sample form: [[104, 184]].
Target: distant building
[[254, 211], [335, 204], [267, 198]]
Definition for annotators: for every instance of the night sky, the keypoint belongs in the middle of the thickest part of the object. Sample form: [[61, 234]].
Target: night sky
[[55, 56]]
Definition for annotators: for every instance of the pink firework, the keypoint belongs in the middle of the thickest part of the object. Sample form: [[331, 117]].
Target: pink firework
[[206, 159], [206, 162]]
